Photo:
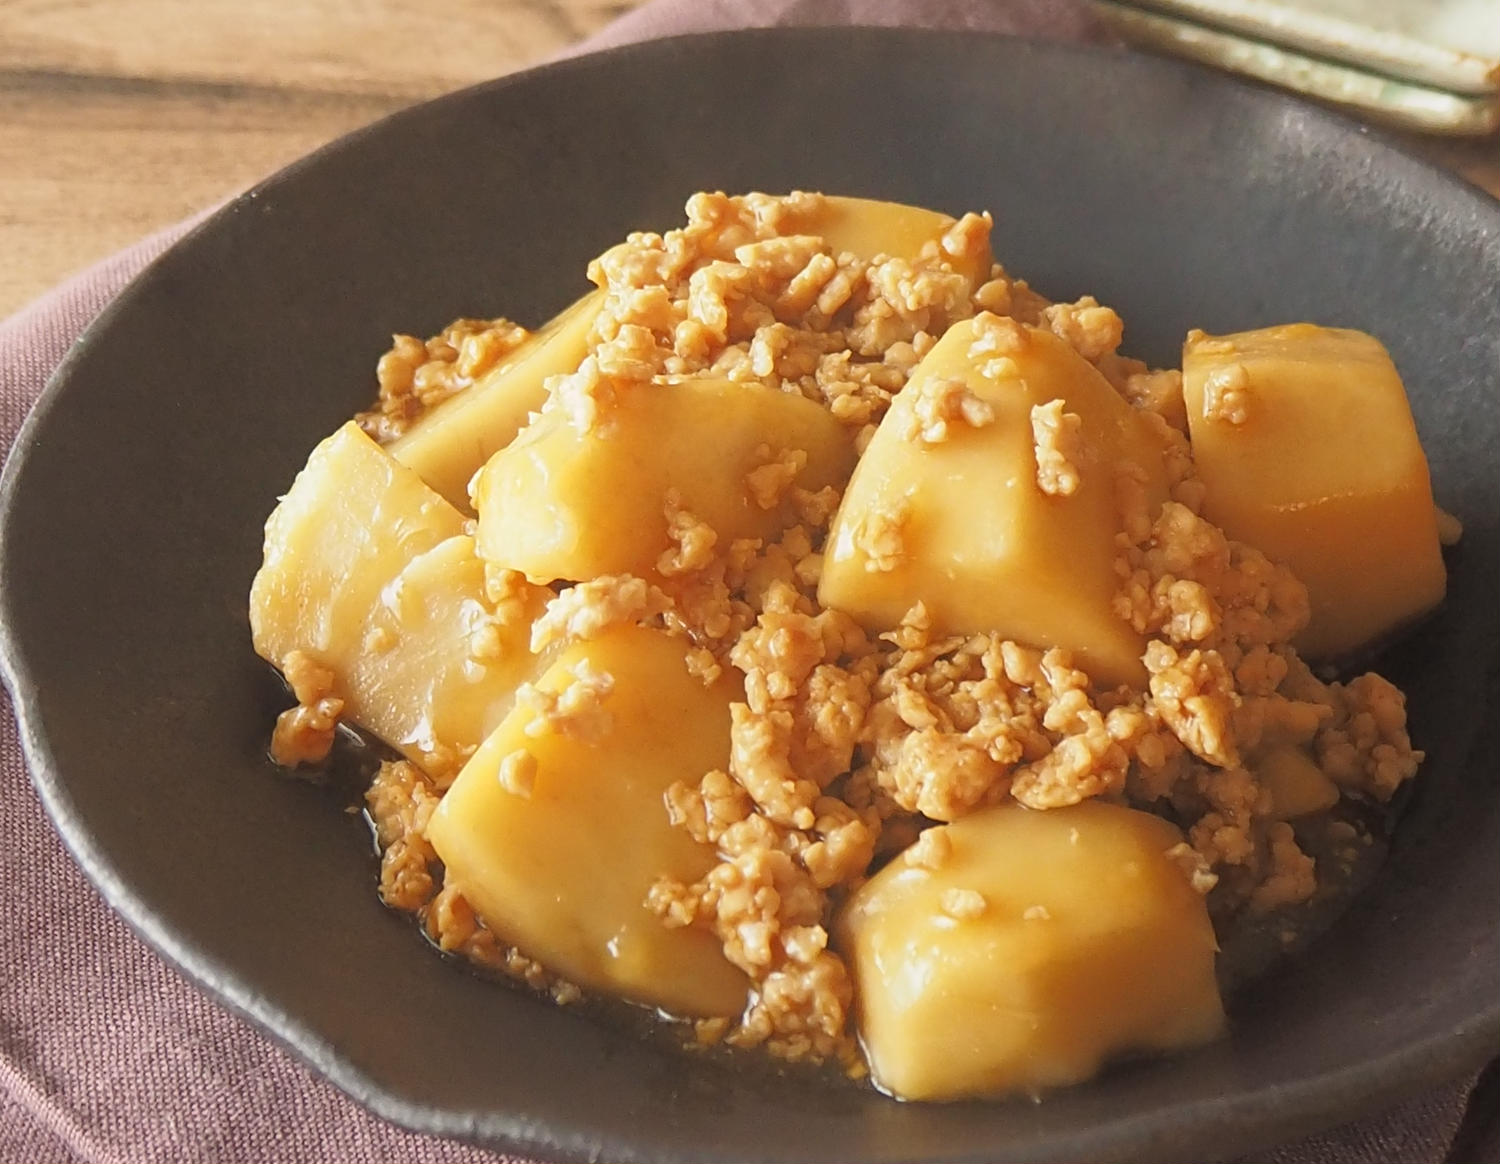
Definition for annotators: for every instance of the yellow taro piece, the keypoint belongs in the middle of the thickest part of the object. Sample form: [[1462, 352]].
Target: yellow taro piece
[[556, 830], [1297, 786], [367, 571], [572, 503], [963, 525], [448, 445], [866, 228], [1017, 951], [1306, 446]]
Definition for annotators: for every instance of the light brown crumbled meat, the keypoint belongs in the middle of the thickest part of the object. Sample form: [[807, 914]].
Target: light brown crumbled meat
[[1091, 330], [940, 774], [968, 720], [931, 850], [452, 924], [631, 356], [1190, 584], [578, 710], [963, 904], [1084, 763], [1226, 395], [938, 404], [727, 295], [304, 734], [692, 540], [967, 239], [1059, 446], [1228, 803], [487, 641], [517, 773], [993, 296], [904, 299], [1193, 866], [507, 591], [768, 483], [800, 1011], [784, 842], [881, 536], [1292, 877], [442, 763], [806, 692], [1365, 745], [587, 609], [414, 376], [401, 801], [1196, 697], [585, 397], [998, 339]]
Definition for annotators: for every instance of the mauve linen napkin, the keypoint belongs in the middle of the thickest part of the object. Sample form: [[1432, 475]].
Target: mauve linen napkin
[[107, 1054]]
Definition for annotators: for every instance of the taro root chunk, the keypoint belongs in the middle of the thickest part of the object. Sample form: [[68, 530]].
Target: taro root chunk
[[448, 445], [367, 572], [1019, 950], [570, 501], [1306, 446], [974, 525], [557, 829]]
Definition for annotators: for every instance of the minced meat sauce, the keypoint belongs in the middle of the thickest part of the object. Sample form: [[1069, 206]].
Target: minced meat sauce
[[848, 745]]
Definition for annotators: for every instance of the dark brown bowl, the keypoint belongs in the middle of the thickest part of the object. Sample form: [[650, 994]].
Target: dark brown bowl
[[134, 499]]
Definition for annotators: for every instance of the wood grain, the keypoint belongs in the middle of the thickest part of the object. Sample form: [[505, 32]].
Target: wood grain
[[118, 117], [384, 47]]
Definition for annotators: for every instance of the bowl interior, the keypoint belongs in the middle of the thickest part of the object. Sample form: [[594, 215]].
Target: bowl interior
[[135, 498]]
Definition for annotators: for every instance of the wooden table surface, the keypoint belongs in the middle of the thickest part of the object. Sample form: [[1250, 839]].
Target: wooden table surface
[[121, 116]]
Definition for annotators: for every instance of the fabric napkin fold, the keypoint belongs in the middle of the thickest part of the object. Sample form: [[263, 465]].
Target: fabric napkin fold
[[108, 1055]]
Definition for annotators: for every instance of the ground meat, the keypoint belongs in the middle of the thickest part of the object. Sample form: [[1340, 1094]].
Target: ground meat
[[304, 734], [1226, 395], [1292, 877], [767, 484], [1093, 331], [517, 773], [414, 376], [1057, 435], [881, 536], [588, 609], [963, 904], [1188, 583], [692, 539], [729, 296], [1365, 745], [939, 404], [578, 710], [401, 801], [931, 850], [584, 397]]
